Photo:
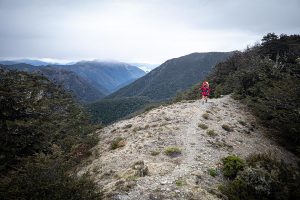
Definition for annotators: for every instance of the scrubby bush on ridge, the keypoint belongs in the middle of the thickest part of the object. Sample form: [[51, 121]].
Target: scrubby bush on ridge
[[262, 177], [232, 165], [44, 134]]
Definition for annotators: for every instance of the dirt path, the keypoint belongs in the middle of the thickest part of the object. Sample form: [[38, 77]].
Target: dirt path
[[141, 169]]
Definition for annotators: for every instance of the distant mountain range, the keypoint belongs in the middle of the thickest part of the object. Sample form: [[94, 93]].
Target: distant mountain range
[[89, 80], [81, 88], [107, 75], [173, 76], [25, 61], [35, 62]]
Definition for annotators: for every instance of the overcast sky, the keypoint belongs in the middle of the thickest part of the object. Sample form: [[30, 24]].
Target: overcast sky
[[149, 31]]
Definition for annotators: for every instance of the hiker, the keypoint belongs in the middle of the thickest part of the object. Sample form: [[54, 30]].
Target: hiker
[[205, 91]]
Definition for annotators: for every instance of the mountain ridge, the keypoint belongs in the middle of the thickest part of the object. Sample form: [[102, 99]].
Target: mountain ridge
[[81, 88], [105, 74], [131, 160], [93, 79], [172, 76]]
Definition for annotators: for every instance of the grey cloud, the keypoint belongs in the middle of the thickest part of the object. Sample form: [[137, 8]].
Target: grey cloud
[[135, 29]]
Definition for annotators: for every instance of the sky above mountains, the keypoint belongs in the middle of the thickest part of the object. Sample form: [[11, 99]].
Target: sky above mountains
[[137, 30]]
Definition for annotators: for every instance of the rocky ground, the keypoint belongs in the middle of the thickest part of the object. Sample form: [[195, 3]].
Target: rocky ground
[[131, 160]]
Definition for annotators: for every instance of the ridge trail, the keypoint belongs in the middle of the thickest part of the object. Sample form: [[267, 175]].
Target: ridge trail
[[140, 170]]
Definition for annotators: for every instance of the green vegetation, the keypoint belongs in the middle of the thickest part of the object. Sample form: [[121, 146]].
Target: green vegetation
[[44, 177], [203, 126], [163, 82], [150, 107], [44, 134], [109, 110], [180, 183], [226, 127], [83, 90], [117, 143], [212, 172], [232, 165], [211, 133], [132, 178], [266, 77], [172, 151], [263, 177]]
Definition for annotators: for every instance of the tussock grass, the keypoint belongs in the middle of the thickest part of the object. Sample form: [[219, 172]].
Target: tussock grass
[[211, 133], [203, 126], [172, 151], [179, 183], [117, 143], [226, 127]]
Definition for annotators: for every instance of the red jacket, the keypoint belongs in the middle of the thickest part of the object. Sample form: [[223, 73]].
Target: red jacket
[[205, 91]]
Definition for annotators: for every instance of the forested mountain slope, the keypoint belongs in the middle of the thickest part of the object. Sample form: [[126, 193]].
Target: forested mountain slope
[[44, 134], [107, 75], [177, 74]]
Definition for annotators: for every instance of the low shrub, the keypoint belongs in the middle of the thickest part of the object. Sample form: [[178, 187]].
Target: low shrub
[[211, 133], [179, 183], [226, 127], [44, 178], [150, 107], [236, 189], [264, 177], [212, 172], [117, 143], [232, 165], [203, 126], [172, 151]]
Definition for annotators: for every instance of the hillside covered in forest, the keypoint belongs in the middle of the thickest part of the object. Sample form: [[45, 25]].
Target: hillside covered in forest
[[174, 75], [44, 134]]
